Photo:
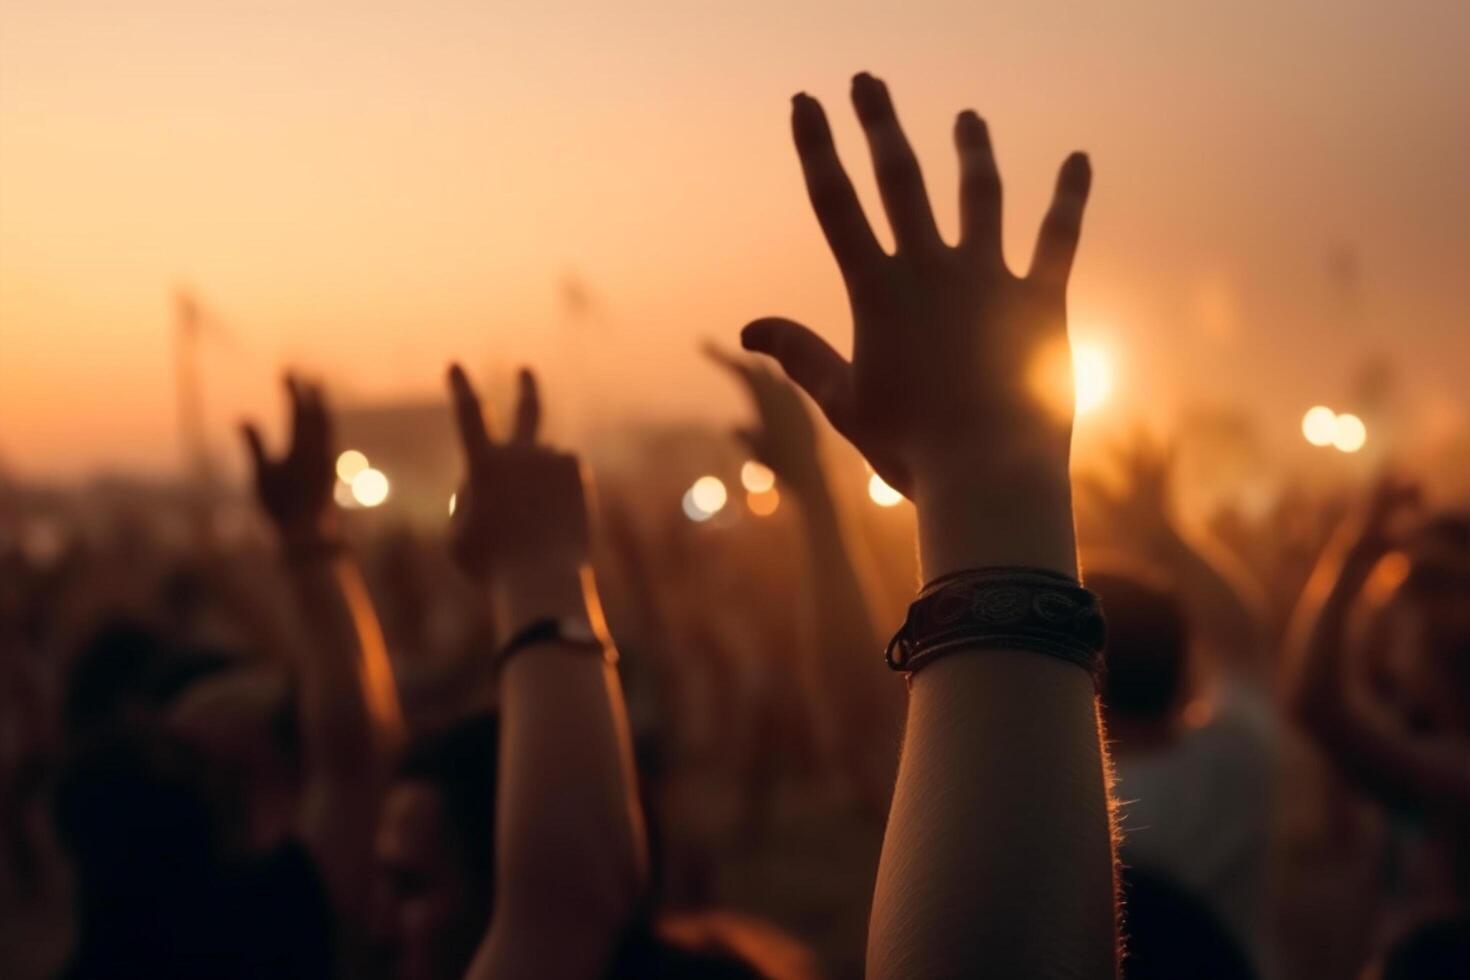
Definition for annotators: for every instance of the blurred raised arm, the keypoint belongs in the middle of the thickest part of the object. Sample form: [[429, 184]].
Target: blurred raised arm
[[1366, 738], [867, 707], [1220, 594], [998, 855], [570, 853], [351, 724]]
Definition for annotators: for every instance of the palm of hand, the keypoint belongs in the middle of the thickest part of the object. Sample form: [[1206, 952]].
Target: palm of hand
[[784, 438], [945, 338], [521, 504], [295, 490]]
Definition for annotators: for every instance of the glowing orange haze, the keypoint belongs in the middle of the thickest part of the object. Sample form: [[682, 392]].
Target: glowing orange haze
[[366, 190]]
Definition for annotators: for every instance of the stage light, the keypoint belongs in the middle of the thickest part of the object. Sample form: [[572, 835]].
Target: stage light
[[756, 477], [1350, 433], [349, 464], [709, 494], [370, 487], [881, 493], [1319, 425], [1092, 376], [764, 502], [692, 510]]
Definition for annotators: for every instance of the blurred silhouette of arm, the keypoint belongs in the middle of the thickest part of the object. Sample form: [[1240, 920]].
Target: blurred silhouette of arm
[[1220, 595], [570, 861], [351, 723], [867, 705], [1366, 737], [997, 859]]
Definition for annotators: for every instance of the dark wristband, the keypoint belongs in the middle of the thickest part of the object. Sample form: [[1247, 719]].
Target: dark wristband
[[548, 630], [1003, 608]]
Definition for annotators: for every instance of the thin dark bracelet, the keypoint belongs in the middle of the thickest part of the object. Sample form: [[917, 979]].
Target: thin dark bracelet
[[1001, 608], [561, 632]]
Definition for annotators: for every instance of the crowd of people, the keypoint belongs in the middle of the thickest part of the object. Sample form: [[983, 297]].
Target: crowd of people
[[573, 734]]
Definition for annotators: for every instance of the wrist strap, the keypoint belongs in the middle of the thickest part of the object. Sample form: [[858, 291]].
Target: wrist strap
[[1001, 608], [547, 630]]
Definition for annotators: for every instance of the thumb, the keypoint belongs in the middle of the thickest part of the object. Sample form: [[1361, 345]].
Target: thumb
[[809, 361]]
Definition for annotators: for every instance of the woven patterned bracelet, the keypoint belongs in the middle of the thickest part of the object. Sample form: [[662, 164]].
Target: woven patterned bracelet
[[1002, 608]]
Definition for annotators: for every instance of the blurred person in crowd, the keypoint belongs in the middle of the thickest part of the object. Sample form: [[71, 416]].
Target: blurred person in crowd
[[1193, 733], [1380, 681], [565, 865], [1195, 796], [168, 882]]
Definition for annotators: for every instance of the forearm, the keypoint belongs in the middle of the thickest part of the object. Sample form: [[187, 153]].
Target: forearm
[[570, 848], [349, 701], [998, 860], [1316, 646], [999, 855], [868, 705]]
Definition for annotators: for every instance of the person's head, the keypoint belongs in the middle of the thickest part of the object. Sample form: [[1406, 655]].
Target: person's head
[[435, 851], [141, 819], [1435, 950], [1147, 656], [1168, 933]]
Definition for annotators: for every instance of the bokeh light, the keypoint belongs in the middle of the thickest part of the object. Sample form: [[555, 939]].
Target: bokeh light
[[763, 503], [693, 510], [350, 463], [1092, 376], [756, 477], [1350, 434], [1319, 425], [453, 502], [370, 487], [709, 494], [881, 493]]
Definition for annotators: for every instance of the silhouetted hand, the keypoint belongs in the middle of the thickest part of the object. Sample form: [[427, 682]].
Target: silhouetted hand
[[295, 490], [783, 437], [946, 340], [522, 509], [1143, 507], [1379, 527]]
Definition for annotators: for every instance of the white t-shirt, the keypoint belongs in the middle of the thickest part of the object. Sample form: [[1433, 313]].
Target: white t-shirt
[[1200, 809]]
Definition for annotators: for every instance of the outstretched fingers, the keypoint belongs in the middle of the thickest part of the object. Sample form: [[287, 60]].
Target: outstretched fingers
[[900, 182], [1057, 244], [810, 362], [474, 434], [980, 197], [254, 445], [833, 199], [528, 410]]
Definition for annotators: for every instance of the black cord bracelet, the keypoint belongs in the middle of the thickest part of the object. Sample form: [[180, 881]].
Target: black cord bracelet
[[1001, 608]]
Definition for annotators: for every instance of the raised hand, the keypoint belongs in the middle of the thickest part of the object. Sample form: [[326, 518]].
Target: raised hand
[[947, 342], [1378, 530], [522, 507], [1143, 507], [295, 490], [783, 437]]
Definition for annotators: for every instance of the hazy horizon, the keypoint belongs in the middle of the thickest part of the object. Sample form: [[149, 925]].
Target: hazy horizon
[[366, 191]]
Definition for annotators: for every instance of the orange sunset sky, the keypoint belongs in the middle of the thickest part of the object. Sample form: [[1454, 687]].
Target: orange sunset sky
[[366, 189]]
